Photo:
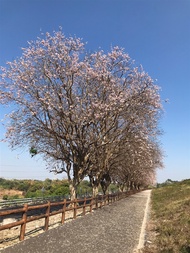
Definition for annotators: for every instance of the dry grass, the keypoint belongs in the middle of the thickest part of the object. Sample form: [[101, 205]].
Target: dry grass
[[10, 192], [170, 219]]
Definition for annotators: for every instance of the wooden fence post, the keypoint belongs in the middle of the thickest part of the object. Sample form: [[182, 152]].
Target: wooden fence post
[[47, 216], [23, 226], [91, 203], [105, 199], [84, 206], [101, 201], [96, 202], [63, 212], [75, 209]]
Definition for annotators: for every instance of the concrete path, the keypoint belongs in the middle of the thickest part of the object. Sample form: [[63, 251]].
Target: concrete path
[[118, 228]]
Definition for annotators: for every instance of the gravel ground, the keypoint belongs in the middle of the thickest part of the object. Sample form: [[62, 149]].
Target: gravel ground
[[115, 228]]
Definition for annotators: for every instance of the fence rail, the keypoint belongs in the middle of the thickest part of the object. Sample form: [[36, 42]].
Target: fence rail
[[28, 212], [18, 202]]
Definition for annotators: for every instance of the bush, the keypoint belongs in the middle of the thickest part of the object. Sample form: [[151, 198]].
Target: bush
[[24, 186], [13, 197], [5, 197], [61, 191]]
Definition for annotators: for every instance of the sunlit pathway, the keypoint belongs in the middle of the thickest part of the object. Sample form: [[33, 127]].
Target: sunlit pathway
[[115, 228]]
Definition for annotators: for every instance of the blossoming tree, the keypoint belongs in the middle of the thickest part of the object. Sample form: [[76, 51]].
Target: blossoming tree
[[76, 109]]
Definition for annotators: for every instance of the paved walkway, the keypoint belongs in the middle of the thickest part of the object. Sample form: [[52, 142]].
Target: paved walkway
[[114, 229]]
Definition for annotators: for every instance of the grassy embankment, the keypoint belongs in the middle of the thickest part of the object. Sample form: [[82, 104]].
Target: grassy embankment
[[171, 218]]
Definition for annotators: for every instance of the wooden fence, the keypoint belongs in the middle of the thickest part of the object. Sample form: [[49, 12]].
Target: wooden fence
[[22, 201], [28, 212]]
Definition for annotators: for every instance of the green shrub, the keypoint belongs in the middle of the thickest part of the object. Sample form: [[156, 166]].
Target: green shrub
[[5, 197]]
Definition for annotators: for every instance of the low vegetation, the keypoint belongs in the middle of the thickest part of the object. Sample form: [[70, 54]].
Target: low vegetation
[[171, 215], [13, 189]]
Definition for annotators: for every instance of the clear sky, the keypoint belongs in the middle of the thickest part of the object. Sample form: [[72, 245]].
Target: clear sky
[[155, 33]]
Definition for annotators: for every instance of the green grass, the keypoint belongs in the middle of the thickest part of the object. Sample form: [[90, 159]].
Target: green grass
[[171, 215]]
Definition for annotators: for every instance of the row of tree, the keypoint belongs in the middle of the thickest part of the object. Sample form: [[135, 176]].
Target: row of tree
[[88, 114]]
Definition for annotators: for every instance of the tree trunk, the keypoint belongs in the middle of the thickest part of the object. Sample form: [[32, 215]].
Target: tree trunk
[[121, 188], [94, 183], [105, 182], [131, 185], [72, 189], [94, 191], [104, 188]]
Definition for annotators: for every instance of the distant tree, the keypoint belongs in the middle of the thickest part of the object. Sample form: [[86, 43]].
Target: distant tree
[[23, 186], [61, 191], [47, 184], [136, 162]]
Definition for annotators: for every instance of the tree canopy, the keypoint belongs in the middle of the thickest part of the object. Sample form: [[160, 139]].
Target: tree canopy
[[88, 114]]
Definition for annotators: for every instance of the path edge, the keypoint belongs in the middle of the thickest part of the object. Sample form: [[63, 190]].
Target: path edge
[[144, 223]]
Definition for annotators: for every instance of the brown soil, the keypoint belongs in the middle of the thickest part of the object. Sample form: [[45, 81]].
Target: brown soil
[[10, 193]]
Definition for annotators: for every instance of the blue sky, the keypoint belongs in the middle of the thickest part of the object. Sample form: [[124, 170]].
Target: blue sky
[[155, 33]]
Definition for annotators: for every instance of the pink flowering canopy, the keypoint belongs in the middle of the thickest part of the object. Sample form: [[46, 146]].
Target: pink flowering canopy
[[80, 110]]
